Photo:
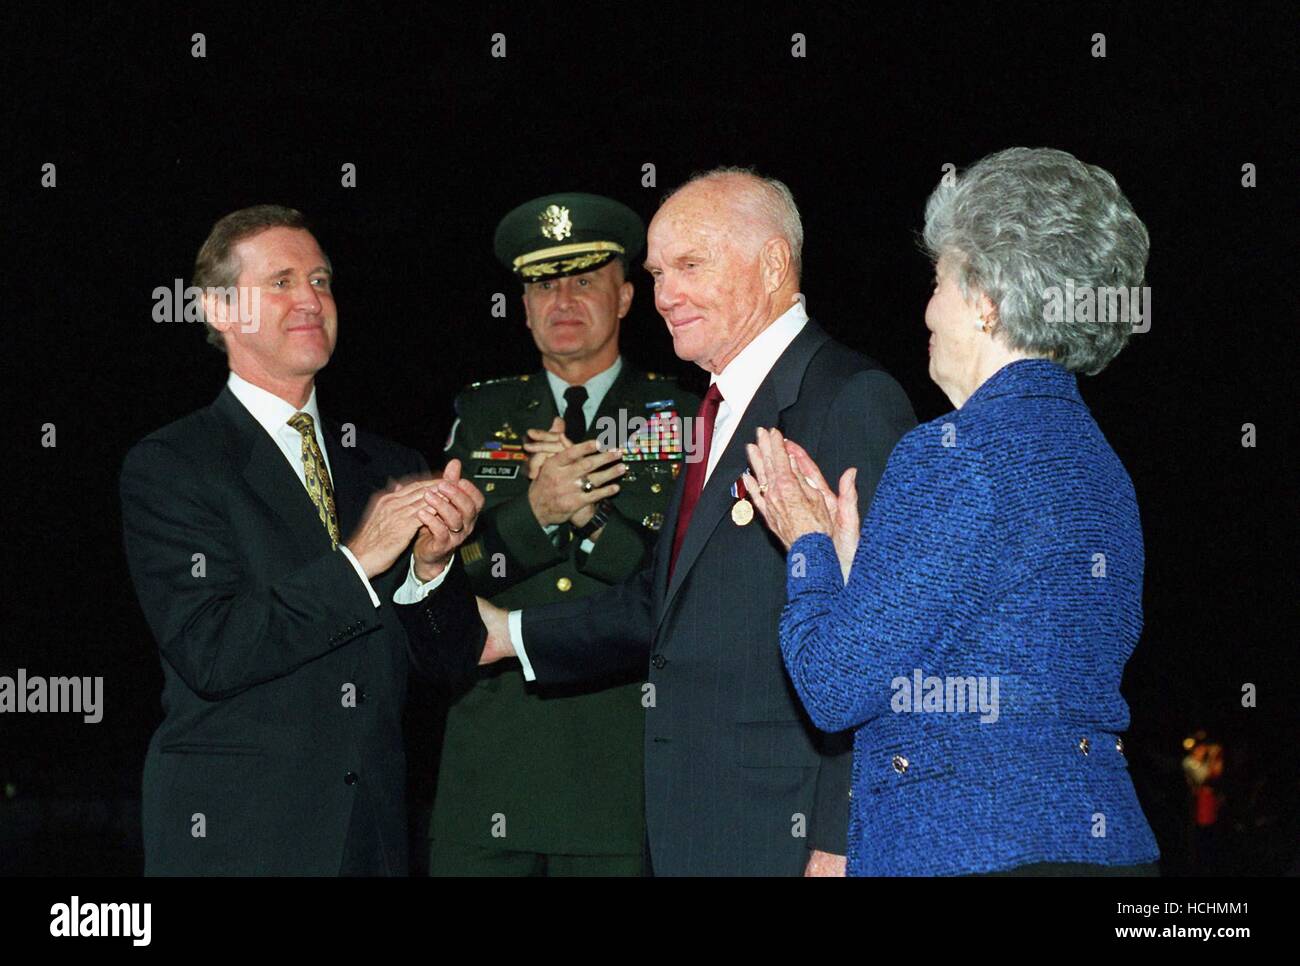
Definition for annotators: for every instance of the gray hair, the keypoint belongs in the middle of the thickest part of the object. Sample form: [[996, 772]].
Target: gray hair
[[766, 200], [1025, 225]]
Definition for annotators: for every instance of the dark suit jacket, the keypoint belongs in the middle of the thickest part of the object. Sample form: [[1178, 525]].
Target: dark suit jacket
[[260, 639], [737, 780]]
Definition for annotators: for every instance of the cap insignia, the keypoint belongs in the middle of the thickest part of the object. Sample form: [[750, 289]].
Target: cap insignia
[[555, 222]]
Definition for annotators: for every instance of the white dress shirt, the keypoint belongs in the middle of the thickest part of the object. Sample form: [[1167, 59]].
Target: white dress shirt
[[273, 414], [740, 380], [738, 383], [597, 386]]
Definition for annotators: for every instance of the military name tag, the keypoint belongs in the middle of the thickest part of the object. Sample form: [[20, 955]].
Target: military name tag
[[497, 471]]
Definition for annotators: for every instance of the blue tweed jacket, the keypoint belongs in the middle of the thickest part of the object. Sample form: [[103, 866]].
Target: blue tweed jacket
[[978, 645]]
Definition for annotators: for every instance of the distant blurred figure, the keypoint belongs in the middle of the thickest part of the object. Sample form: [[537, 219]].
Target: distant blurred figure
[[1203, 767]]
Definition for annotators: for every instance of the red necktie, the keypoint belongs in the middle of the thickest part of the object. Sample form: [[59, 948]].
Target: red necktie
[[695, 471]]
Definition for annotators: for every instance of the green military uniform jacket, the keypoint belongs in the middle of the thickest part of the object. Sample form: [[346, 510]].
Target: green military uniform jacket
[[525, 769]]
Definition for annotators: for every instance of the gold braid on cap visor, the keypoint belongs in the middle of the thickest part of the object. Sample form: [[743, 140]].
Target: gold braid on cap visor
[[550, 261]]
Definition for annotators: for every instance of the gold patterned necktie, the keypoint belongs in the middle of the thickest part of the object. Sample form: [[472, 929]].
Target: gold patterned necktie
[[317, 475]]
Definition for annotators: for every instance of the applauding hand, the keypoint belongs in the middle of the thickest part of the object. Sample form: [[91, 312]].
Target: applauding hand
[[447, 515], [794, 499], [544, 443], [574, 479]]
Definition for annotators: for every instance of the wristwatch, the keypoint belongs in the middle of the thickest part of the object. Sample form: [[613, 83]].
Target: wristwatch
[[598, 519]]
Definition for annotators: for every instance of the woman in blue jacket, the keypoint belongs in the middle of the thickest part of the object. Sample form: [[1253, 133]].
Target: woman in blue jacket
[[974, 631]]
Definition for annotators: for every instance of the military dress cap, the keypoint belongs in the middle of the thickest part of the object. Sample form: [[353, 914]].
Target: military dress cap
[[566, 234]]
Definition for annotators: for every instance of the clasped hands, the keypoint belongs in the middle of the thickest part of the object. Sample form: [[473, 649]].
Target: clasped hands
[[569, 479], [438, 513]]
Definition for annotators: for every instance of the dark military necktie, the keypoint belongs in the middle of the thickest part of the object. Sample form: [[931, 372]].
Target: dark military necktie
[[575, 423]]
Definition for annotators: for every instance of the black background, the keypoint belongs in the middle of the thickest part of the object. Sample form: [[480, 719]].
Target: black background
[[153, 145]]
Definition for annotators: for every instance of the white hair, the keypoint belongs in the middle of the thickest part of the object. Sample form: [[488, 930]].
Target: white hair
[[767, 201]]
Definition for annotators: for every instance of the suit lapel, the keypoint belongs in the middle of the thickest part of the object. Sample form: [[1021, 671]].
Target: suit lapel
[[269, 474], [352, 484], [664, 551], [778, 392]]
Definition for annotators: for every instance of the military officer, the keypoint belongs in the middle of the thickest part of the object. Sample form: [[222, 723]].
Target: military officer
[[535, 782]]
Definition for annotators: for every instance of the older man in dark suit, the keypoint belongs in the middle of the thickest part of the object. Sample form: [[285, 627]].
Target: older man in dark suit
[[285, 608], [737, 780]]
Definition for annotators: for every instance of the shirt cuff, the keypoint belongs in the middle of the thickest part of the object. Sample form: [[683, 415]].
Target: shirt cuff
[[374, 598], [414, 590], [515, 620]]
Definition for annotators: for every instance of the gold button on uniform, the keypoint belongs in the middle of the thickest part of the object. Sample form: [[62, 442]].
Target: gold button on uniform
[[564, 584], [900, 764], [656, 487]]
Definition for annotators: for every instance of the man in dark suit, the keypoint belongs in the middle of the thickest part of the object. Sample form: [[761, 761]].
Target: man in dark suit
[[285, 608], [737, 780]]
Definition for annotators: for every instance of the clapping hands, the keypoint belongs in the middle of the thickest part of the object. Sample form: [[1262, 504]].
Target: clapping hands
[[794, 499]]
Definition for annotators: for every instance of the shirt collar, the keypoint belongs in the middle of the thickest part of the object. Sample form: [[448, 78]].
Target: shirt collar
[[271, 412], [740, 380], [596, 386]]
